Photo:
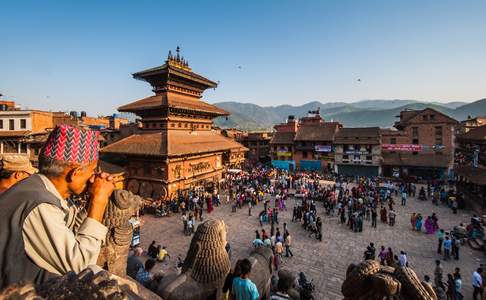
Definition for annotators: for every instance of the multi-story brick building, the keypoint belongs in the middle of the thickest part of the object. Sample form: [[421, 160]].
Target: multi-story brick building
[[313, 143], [25, 131], [422, 146], [470, 168], [282, 144], [258, 144], [358, 151]]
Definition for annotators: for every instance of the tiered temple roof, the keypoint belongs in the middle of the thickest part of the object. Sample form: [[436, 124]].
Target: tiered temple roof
[[177, 93], [175, 87], [172, 143]]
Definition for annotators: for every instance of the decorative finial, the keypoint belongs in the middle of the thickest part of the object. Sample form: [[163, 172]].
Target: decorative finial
[[169, 57], [178, 58]]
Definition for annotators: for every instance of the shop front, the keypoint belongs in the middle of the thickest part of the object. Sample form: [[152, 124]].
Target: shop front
[[358, 170]]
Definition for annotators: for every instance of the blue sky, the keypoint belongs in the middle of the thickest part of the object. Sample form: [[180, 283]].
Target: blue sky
[[65, 55]]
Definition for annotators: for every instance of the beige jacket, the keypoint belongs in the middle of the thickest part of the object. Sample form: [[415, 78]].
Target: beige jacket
[[61, 240]]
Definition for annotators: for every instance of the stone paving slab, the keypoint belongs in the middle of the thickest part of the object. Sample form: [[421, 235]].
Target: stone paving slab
[[326, 262]]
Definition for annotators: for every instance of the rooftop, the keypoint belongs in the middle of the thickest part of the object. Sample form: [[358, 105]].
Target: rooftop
[[318, 132], [168, 101], [172, 143], [359, 135], [283, 138], [477, 134]]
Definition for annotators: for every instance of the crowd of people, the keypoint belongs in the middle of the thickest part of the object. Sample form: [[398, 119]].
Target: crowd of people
[[41, 204]]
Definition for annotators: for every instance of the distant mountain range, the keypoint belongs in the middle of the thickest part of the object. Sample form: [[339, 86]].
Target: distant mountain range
[[363, 113]]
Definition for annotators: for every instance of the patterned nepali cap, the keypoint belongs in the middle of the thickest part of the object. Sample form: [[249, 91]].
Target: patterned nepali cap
[[71, 144]]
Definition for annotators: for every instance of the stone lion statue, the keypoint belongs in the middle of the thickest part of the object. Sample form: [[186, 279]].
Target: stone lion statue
[[205, 268]]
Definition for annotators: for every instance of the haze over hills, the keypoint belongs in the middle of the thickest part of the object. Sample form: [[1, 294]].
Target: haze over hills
[[357, 114]]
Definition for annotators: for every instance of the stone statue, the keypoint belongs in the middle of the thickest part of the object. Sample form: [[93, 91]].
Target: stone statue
[[204, 269], [114, 253], [261, 259], [83, 286], [369, 280]]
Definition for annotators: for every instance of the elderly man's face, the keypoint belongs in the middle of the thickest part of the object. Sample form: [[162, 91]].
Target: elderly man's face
[[79, 177]]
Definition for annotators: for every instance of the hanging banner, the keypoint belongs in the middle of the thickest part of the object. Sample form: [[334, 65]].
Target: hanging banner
[[401, 147]]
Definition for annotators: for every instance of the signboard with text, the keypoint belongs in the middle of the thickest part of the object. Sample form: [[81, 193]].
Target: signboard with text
[[402, 147], [323, 148]]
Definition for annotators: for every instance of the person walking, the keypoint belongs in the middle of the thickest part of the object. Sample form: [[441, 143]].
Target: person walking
[[374, 215], [458, 287], [457, 246], [404, 197], [440, 237], [288, 243], [438, 272], [477, 283], [451, 287], [447, 248]]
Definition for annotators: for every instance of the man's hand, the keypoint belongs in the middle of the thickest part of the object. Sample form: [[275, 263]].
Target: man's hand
[[101, 187]]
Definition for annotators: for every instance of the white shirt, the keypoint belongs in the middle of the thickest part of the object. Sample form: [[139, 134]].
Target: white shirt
[[61, 240], [403, 260], [477, 280]]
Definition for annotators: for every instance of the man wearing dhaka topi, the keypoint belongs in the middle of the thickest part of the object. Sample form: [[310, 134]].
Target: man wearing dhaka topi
[[42, 233]]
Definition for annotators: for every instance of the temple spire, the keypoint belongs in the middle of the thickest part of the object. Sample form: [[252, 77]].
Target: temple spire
[[178, 60]]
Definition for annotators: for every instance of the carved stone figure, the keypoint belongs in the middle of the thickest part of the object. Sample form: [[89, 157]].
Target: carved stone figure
[[204, 269], [84, 286], [261, 260], [369, 280], [114, 254]]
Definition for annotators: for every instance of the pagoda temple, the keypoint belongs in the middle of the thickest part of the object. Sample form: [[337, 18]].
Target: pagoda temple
[[176, 148]]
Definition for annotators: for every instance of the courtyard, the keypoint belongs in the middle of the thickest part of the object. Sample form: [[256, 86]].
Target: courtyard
[[326, 262]]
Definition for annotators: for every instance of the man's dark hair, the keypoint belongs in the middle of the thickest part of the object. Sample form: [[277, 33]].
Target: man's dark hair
[[284, 284], [51, 167], [245, 266], [5, 174], [149, 264]]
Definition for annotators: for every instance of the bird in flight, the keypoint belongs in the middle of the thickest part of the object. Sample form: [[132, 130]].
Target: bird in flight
[[359, 80]]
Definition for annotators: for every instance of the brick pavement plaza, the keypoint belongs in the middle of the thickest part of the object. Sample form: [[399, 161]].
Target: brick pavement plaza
[[326, 262]]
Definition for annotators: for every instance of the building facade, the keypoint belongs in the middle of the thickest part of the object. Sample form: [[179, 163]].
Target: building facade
[[282, 145], [358, 151], [176, 149], [258, 144], [471, 123], [422, 146], [470, 168], [313, 143]]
